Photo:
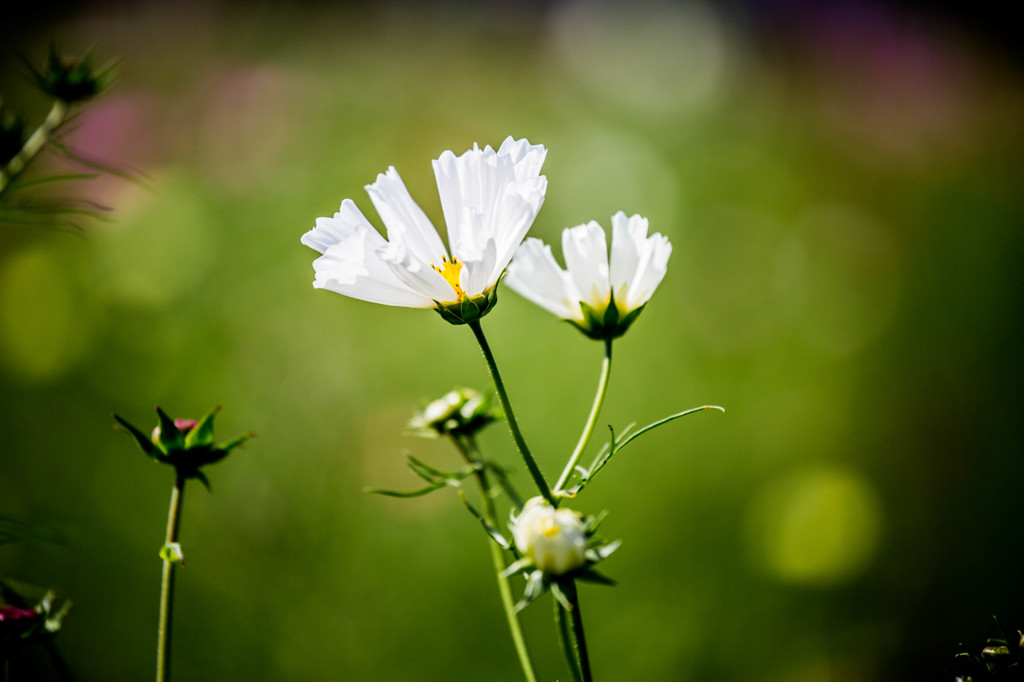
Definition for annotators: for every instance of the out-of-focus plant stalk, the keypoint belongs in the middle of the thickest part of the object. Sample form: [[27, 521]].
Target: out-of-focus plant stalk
[[35, 144], [468, 449], [163, 645], [565, 638], [579, 642], [595, 410], [510, 417]]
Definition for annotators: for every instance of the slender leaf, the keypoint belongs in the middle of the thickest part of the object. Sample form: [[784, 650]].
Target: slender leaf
[[419, 492], [429, 473], [623, 442], [488, 527]]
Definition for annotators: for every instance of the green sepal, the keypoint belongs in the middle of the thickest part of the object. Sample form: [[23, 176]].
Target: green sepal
[[201, 477], [591, 523], [202, 433], [72, 80], [606, 324], [536, 585], [234, 443], [600, 553], [172, 552], [170, 437], [591, 576], [516, 566], [560, 596], [468, 309], [142, 439]]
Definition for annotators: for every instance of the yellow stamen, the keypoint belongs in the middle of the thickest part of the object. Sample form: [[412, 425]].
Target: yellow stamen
[[450, 270], [550, 530]]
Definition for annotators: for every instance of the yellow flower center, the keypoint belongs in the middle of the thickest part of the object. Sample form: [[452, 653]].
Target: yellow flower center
[[450, 270], [550, 530]]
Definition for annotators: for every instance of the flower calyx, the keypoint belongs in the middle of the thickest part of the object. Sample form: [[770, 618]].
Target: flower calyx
[[466, 309], [22, 624], [609, 323], [460, 412], [70, 79], [184, 444]]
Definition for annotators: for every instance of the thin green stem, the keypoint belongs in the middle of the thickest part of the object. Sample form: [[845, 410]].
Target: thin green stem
[[595, 410], [510, 417], [576, 618], [566, 639], [469, 452], [163, 644], [35, 143]]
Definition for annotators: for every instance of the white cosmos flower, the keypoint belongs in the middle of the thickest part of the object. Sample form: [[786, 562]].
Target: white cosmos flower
[[489, 200], [602, 298], [554, 539]]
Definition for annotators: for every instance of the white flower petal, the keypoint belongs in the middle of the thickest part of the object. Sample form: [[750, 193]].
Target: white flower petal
[[490, 196], [535, 275], [418, 276], [350, 264], [404, 219], [519, 209], [586, 257], [650, 271], [628, 236], [638, 262], [635, 269], [528, 158], [489, 200], [477, 274]]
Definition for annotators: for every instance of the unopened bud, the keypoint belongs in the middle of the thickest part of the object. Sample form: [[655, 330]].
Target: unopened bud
[[555, 539]]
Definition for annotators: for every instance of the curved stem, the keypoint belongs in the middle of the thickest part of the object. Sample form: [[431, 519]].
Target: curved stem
[[576, 619], [163, 644], [39, 139], [588, 429], [472, 456], [510, 417]]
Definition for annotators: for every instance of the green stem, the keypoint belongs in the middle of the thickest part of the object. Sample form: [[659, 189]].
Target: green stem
[[565, 638], [510, 417], [588, 429], [39, 139], [472, 456], [163, 644], [580, 639]]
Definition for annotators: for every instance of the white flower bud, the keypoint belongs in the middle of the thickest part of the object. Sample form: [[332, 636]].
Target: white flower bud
[[553, 538]]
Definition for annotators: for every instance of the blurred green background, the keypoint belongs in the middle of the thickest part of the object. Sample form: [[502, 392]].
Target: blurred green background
[[842, 186]]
